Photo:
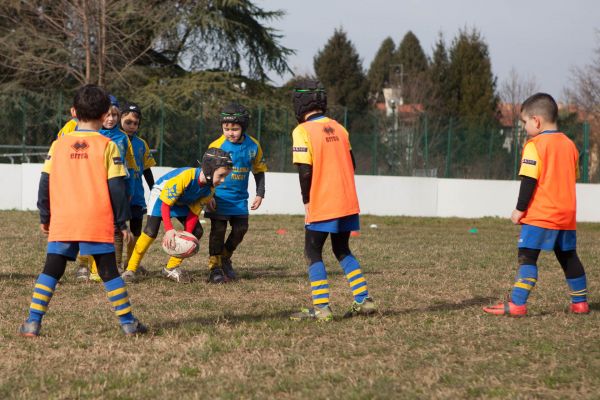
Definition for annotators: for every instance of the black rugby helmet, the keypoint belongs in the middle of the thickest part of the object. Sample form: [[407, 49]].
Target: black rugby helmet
[[212, 160], [309, 95], [130, 107], [236, 113]]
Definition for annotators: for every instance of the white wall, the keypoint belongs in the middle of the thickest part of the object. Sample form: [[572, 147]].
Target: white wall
[[378, 195]]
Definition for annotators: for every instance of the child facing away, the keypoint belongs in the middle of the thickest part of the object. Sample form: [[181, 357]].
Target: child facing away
[[182, 194], [83, 179], [322, 152], [546, 207], [230, 203], [131, 117]]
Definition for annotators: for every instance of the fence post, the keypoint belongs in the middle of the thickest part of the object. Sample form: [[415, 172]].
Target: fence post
[[516, 150], [426, 149], [448, 147], [489, 166], [586, 151], [200, 133], [23, 127], [60, 110], [374, 154], [346, 117], [259, 127], [162, 131]]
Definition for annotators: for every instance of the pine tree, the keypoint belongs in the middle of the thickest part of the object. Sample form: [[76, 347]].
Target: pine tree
[[339, 68], [438, 98], [379, 72], [410, 64]]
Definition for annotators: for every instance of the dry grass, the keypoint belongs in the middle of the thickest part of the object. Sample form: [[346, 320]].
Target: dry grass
[[431, 340]]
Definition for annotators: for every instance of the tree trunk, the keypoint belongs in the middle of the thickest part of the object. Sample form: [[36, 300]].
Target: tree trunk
[[101, 42], [86, 41]]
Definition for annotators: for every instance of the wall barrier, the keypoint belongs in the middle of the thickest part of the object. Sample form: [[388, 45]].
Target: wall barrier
[[378, 195]]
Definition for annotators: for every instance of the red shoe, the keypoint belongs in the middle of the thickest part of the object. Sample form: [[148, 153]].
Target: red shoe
[[580, 308], [507, 308]]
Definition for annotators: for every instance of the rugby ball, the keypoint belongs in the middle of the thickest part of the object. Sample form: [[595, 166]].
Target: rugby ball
[[186, 245]]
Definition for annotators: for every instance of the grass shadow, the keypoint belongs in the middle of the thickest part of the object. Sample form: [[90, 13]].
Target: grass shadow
[[233, 319], [17, 276]]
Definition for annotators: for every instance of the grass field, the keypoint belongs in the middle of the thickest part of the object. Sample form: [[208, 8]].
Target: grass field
[[429, 276]]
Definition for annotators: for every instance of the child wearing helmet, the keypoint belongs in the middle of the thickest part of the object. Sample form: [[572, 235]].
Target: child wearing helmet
[[181, 193], [230, 203], [322, 152]]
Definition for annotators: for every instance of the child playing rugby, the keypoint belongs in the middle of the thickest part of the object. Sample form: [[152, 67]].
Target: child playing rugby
[[230, 203], [546, 207], [181, 193], [322, 152], [83, 179], [131, 117]]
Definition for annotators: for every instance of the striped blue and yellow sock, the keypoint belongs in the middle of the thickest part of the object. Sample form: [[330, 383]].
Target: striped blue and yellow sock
[[119, 300], [42, 293], [318, 284], [355, 278], [526, 279], [578, 288]]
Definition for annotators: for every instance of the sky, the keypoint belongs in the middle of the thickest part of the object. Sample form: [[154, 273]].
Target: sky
[[543, 40]]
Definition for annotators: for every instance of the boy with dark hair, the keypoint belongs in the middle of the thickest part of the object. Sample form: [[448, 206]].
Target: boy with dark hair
[[322, 152], [182, 194], [230, 203], [83, 179], [131, 118], [546, 207]]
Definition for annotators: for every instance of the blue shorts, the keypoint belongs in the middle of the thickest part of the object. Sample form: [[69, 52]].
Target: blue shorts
[[70, 249], [534, 237], [344, 224]]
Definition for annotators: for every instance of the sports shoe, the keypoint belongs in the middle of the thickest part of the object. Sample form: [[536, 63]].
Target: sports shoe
[[367, 307], [228, 269], [129, 276], [177, 274], [580, 308], [134, 328], [30, 329], [216, 276], [507, 308], [321, 314], [95, 277], [82, 274]]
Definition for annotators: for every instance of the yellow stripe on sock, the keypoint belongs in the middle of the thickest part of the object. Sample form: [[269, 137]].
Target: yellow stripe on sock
[[580, 291], [38, 307], [353, 273], [117, 303], [174, 262], [356, 282], [40, 296], [44, 287], [123, 311], [318, 283], [115, 292], [141, 246], [523, 285], [320, 301], [529, 279], [320, 291], [359, 290]]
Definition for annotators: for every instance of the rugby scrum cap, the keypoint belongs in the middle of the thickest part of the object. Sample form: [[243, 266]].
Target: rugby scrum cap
[[130, 107], [309, 95], [212, 160], [236, 113]]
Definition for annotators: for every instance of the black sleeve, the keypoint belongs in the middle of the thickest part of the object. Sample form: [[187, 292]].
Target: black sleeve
[[43, 203], [528, 185], [149, 177], [353, 160], [305, 174], [259, 178], [118, 199]]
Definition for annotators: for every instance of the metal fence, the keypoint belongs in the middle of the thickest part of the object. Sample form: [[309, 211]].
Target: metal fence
[[413, 145]]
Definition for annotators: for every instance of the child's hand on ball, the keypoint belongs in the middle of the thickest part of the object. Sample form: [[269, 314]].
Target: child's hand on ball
[[169, 239]]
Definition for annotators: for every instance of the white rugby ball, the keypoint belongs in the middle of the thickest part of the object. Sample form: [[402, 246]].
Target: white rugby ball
[[186, 245]]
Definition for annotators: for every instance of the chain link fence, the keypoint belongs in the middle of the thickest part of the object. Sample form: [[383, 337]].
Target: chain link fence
[[403, 145]]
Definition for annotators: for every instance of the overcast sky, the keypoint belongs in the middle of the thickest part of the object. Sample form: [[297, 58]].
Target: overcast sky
[[544, 39]]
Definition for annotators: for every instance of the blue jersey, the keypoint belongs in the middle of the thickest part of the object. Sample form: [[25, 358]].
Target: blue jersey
[[122, 141], [181, 187], [144, 160], [232, 195]]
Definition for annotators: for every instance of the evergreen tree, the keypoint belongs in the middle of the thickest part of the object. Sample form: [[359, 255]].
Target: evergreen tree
[[410, 66], [472, 83], [339, 68], [438, 98], [379, 72]]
